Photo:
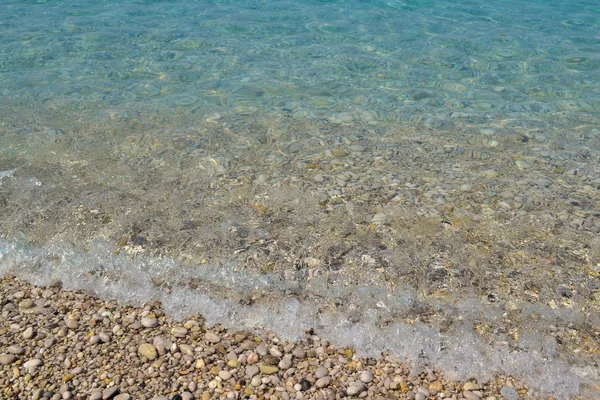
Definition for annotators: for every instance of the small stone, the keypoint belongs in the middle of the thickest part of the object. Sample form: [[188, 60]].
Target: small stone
[[471, 386], [268, 369], [104, 338], [17, 350], [225, 375], [321, 372], [149, 322], [233, 363], [28, 333], [299, 353], [490, 173], [7, 359], [285, 363], [322, 382], [33, 363], [96, 396], [187, 396], [179, 331], [509, 393], [66, 395], [110, 392], [212, 338], [522, 164], [251, 371], [256, 381], [420, 396], [122, 396], [26, 304], [437, 386], [71, 323], [356, 388], [366, 376], [252, 358], [147, 350], [471, 395]]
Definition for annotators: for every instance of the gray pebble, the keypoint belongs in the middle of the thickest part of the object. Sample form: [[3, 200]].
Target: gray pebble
[[122, 396], [251, 370], [321, 372], [366, 376], [509, 393], [149, 322], [104, 338], [96, 396], [420, 396], [17, 350], [356, 388], [322, 382]]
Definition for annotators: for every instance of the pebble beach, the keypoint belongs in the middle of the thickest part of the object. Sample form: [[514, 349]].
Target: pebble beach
[[57, 344]]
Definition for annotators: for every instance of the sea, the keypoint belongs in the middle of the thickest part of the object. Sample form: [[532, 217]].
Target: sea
[[414, 178]]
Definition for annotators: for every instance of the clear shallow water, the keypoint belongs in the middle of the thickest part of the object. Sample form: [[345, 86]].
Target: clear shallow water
[[361, 167]]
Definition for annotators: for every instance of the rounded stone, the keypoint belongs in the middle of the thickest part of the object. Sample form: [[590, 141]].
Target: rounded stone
[[179, 331], [356, 388], [26, 304], [322, 382], [509, 393], [110, 392], [268, 369], [225, 375], [15, 349], [321, 372], [366, 376], [147, 350], [212, 338], [33, 363], [7, 359], [149, 322]]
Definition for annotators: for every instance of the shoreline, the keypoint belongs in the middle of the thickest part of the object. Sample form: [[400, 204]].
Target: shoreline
[[60, 344]]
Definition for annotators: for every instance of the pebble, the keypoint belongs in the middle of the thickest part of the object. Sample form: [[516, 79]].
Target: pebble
[[268, 369], [15, 349], [420, 396], [71, 323], [321, 372], [212, 338], [122, 396], [356, 388], [33, 363], [28, 333], [322, 382], [471, 386], [26, 304], [96, 396], [110, 392], [509, 393], [366, 376], [104, 338], [149, 322], [225, 375], [7, 359], [490, 173], [147, 350], [252, 370], [179, 331]]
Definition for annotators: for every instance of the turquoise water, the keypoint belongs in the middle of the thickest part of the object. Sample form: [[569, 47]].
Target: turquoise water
[[419, 177], [377, 60]]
